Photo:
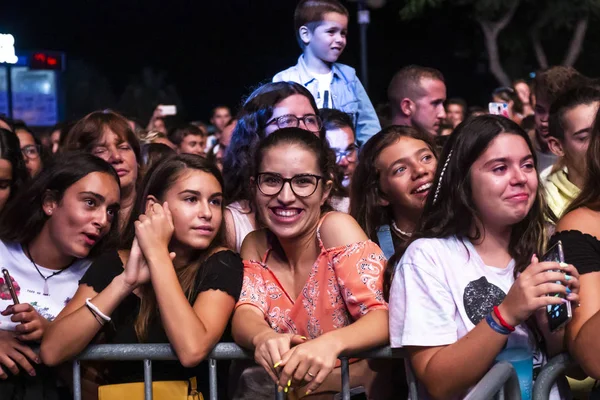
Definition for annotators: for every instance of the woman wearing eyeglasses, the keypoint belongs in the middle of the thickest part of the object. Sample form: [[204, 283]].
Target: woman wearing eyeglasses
[[339, 132], [270, 107], [31, 150], [312, 285]]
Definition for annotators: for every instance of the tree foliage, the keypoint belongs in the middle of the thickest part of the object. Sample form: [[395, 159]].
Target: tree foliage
[[537, 20]]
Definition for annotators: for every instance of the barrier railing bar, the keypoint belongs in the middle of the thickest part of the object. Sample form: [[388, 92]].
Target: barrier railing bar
[[500, 375], [147, 379], [76, 380], [494, 381], [212, 378], [555, 367], [345, 378]]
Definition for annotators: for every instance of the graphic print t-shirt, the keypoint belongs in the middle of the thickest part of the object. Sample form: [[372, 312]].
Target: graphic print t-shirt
[[29, 285], [442, 289], [324, 99]]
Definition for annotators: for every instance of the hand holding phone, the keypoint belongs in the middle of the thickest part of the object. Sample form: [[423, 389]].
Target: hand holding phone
[[558, 314], [31, 325]]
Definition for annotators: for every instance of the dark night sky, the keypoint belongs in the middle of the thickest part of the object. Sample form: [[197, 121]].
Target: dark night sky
[[216, 51]]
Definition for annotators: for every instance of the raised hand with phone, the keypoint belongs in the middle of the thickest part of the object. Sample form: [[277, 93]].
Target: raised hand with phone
[[535, 288]]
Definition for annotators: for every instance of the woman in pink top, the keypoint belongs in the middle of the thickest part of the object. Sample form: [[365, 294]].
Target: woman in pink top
[[312, 285]]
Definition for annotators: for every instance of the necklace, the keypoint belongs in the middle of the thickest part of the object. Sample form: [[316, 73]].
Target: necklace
[[45, 278], [400, 231]]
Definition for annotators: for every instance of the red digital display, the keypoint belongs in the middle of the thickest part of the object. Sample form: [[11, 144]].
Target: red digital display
[[46, 61]]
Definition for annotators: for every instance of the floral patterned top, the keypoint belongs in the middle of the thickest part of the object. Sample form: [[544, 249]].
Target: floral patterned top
[[345, 283]]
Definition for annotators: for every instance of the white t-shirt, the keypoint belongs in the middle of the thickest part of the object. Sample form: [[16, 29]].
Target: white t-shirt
[[442, 289], [29, 285], [324, 95]]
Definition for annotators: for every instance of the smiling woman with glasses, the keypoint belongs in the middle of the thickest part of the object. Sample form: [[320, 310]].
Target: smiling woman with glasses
[[271, 107], [312, 280]]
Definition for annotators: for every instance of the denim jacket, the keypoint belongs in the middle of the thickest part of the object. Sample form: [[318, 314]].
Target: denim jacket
[[347, 93]]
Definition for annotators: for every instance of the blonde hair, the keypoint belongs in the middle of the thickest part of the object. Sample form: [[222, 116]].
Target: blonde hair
[[152, 136]]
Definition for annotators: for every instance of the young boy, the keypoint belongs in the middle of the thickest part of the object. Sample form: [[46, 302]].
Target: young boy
[[321, 28], [189, 139]]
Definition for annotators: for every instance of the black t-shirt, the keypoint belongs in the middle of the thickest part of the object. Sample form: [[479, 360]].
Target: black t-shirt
[[581, 249], [221, 271]]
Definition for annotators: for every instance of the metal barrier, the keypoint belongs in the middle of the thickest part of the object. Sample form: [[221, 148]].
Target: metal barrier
[[501, 378], [553, 369], [501, 381]]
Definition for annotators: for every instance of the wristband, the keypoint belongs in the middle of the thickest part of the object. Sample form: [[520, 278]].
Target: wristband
[[95, 310], [96, 317], [502, 321], [494, 325]]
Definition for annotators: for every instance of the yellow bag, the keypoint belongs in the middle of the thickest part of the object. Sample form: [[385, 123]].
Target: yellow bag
[[163, 390]]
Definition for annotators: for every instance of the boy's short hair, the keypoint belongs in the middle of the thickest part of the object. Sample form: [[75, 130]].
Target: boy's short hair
[[335, 119], [310, 13], [406, 83], [180, 133], [552, 82], [567, 101]]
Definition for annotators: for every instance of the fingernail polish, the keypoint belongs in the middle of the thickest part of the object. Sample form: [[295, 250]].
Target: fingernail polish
[[563, 265], [279, 389], [568, 290], [289, 383], [568, 277], [565, 301], [308, 392], [277, 364], [37, 360], [303, 337], [285, 390], [32, 373]]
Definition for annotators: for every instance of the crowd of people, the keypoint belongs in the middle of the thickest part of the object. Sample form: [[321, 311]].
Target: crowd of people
[[306, 226]]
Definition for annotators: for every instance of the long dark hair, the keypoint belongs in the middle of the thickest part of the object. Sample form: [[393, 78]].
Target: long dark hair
[[365, 191], [590, 193], [158, 180], [453, 212], [23, 218], [255, 113], [10, 150]]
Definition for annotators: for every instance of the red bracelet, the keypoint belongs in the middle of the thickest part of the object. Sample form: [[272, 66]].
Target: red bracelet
[[502, 321]]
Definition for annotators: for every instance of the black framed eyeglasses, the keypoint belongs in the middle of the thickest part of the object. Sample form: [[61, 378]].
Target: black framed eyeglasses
[[303, 185], [31, 151], [312, 122], [351, 154]]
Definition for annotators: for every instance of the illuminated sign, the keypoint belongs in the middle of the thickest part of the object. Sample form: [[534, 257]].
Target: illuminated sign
[[46, 60], [7, 49]]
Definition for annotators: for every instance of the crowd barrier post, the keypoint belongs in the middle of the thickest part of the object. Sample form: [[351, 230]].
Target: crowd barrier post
[[500, 381], [553, 369]]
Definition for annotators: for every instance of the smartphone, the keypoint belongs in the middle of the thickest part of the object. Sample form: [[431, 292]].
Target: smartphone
[[558, 314], [9, 284], [499, 109], [167, 110]]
